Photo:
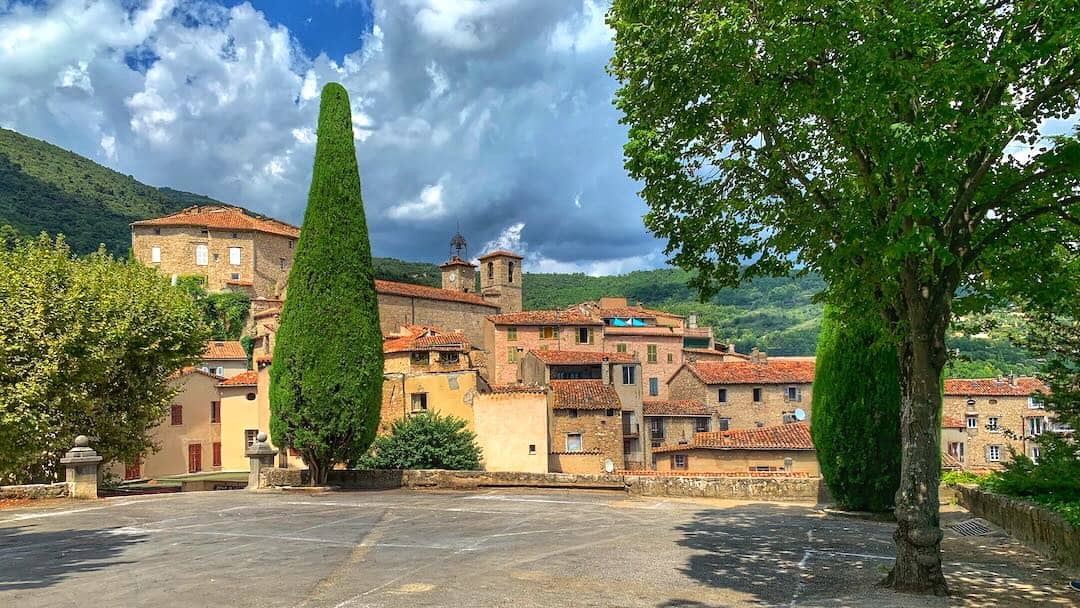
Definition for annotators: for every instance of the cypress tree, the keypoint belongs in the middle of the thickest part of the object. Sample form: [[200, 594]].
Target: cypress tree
[[326, 377], [855, 412]]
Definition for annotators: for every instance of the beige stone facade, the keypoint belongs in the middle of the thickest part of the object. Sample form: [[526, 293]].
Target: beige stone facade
[[585, 427], [701, 460], [659, 350], [512, 430], [500, 280], [985, 420], [507, 344], [397, 309]]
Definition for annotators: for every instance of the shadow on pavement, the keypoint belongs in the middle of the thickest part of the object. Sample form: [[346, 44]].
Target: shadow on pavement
[[38, 559]]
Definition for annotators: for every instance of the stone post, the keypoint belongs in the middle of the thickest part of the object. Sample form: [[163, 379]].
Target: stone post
[[260, 456], [788, 462], [81, 462]]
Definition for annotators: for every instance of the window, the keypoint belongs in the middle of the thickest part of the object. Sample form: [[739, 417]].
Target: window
[[670, 358], [202, 255], [234, 276], [628, 375], [701, 425], [157, 230], [220, 372], [1036, 426], [512, 354], [654, 387], [651, 350], [757, 395], [292, 244], [678, 462], [234, 256], [1035, 453], [450, 357], [177, 414], [532, 449], [1034, 403], [216, 258], [992, 424], [573, 442], [656, 428], [250, 396], [217, 454], [993, 453], [491, 270], [549, 332], [155, 255], [972, 422], [956, 450], [510, 273], [419, 402], [609, 412], [249, 437], [204, 232], [420, 358], [215, 411], [584, 335], [791, 393], [282, 262], [721, 395], [572, 413], [511, 334], [194, 451], [620, 348], [722, 424]]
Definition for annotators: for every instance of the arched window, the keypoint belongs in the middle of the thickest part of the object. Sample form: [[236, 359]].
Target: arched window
[[491, 270], [510, 273]]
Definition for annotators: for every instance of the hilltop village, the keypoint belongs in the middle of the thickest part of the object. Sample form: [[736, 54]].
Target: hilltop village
[[600, 386]]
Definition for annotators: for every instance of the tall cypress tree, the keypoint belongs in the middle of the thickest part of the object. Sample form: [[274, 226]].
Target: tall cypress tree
[[855, 412], [326, 377]]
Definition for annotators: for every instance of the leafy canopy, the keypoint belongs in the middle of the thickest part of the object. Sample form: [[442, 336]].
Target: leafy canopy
[[88, 345], [425, 441]]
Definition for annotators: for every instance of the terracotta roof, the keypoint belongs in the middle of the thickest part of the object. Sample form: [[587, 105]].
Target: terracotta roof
[[713, 352], [503, 252], [248, 378], [224, 349], [240, 283], [746, 372], [456, 261], [948, 422], [269, 312], [196, 370], [409, 290], [995, 387], [418, 337], [544, 317], [655, 330], [516, 388], [948, 461], [222, 218], [261, 359], [794, 436], [625, 313], [583, 395], [580, 357], [678, 407]]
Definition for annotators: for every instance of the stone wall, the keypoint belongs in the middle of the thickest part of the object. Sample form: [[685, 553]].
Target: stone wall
[[668, 356], [601, 439], [37, 490], [799, 489], [1038, 527], [1011, 411], [395, 311], [740, 408]]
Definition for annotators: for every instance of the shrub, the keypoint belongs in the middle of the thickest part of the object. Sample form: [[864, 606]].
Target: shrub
[[855, 414], [952, 478], [425, 441]]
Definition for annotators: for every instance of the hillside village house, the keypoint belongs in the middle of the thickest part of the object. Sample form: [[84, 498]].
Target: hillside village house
[[747, 394], [976, 415], [227, 246], [585, 427], [783, 448], [676, 421]]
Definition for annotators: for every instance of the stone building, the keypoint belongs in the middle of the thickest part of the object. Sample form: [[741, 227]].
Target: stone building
[[512, 428], [507, 337], [755, 393], [224, 358], [585, 427], [989, 418], [784, 448], [622, 371], [227, 246], [675, 422]]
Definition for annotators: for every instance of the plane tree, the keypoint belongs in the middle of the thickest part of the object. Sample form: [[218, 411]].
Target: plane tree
[[899, 149]]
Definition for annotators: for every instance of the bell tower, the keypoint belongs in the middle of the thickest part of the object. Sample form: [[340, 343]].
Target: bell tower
[[500, 280], [457, 274]]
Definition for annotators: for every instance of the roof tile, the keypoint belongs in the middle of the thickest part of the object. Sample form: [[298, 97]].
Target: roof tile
[[676, 407], [583, 395], [580, 357], [248, 378], [544, 317], [409, 290], [224, 350], [993, 386], [748, 372], [223, 218], [418, 337], [794, 436]]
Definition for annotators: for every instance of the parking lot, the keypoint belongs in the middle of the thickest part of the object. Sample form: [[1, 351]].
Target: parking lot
[[493, 548]]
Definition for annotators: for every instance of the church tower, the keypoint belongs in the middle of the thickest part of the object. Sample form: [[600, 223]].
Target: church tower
[[457, 274], [500, 280]]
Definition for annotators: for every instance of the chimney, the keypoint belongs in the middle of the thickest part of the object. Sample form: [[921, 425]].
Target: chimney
[[758, 356], [1012, 379], [692, 320], [605, 371]]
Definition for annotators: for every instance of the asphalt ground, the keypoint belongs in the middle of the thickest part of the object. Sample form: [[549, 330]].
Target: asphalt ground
[[492, 548]]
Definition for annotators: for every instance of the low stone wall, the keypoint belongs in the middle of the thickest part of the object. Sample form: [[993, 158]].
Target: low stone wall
[[795, 488], [1038, 527], [37, 490]]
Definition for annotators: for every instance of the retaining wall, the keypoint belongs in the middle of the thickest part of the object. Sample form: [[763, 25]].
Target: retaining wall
[[802, 489], [1038, 527], [38, 490]]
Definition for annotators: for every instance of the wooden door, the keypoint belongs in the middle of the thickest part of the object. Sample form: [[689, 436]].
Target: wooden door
[[194, 452]]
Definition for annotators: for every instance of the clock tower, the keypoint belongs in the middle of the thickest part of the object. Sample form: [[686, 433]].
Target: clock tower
[[457, 274]]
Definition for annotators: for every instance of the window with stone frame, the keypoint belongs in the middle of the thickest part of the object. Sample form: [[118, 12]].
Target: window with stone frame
[[573, 442], [549, 332], [511, 334], [993, 453], [678, 462], [757, 394], [701, 425], [620, 348], [650, 350], [419, 402], [420, 357], [628, 375], [723, 423]]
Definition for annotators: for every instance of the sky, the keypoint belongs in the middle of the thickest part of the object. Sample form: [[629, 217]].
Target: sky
[[495, 117]]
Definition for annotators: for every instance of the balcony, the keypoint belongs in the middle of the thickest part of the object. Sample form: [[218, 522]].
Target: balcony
[[630, 430]]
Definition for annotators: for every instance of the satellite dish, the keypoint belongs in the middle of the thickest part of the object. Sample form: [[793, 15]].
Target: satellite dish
[[800, 415], [609, 467]]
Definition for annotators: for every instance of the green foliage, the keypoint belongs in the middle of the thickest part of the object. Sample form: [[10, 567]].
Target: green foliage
[[248, 344], [88, 346], [952, 478], [326, 380], [1054, 481], [856, 412], [417, 273], [425, 441], [225, 313]]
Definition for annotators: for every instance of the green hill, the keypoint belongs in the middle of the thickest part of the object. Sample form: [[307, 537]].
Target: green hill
[[46, 188]]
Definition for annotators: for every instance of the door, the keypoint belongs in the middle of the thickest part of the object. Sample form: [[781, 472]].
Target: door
[[134, 470], [194, 452]]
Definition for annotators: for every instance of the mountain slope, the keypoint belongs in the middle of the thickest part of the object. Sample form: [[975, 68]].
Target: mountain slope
[[46, 188]]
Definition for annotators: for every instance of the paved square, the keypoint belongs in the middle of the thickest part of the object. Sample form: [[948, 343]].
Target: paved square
[[494, 548]]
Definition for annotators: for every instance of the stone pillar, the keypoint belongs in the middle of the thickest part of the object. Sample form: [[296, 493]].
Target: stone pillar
[[81, 462], [260, 456], [788, 462]]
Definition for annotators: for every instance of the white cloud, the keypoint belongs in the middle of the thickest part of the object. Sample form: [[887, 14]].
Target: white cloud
[[577, 200], [439, 82], [509, 240], [429, 205], [75, 77], [584, 32], [108, 146], [310, 88]]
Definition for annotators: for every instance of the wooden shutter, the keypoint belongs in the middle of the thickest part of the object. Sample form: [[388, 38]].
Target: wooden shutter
[[217, 453], [194, 457]]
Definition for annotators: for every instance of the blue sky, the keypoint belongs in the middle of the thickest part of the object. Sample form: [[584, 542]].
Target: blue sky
[[495, 116]]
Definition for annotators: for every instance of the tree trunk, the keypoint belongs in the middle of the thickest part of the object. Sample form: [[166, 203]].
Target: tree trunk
[[319, 471], [922, 358]]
